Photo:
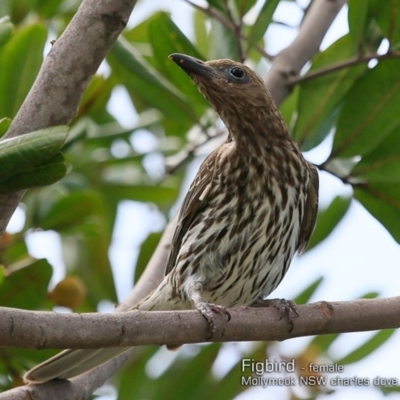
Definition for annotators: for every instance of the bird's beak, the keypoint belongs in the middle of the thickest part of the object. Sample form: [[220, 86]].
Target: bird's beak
[[193, 66]]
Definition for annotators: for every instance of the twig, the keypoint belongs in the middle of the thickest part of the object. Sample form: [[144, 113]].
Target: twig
[[212, 13], [361, 59], [190, 150]]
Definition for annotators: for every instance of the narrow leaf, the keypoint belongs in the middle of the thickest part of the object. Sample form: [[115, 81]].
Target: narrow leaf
[[357, 17], [306, 294], [370, 112], [377, 340], [23, 153], [320, 98], [45, 174], [4, 125], [262, 22], [387, 14], [382, 200], [328, 219], [5, 30], [146, 251], [20, 61], [382, 164]]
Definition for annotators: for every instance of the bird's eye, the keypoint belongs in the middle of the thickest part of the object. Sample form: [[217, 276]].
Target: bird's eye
[[237, 72]]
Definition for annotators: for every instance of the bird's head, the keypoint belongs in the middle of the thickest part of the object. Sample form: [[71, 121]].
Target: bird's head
[[236, 92]]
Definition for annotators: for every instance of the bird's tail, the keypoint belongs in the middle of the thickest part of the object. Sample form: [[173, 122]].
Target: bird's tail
[[70, 363]]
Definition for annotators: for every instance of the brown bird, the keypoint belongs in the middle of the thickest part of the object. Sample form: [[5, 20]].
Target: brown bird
[[251, 206]]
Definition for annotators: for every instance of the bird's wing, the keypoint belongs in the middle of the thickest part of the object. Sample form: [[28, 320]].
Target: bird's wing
[[310, 211], [195, 200]]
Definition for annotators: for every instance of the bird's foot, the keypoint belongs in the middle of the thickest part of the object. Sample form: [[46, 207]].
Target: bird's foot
[[209, 311], [286, 308]]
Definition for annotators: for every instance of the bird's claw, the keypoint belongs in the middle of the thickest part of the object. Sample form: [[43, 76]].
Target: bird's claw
[[286, 308], [208, 311]]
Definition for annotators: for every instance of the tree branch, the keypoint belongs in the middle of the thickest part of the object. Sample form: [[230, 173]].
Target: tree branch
[[54, 100], [289, 62], [80, 387], [361, 59], [65, 74], [24, 329], [189, 151]]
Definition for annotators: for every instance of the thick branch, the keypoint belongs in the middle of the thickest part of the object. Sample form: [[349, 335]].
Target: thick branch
[[289, 62], [19, 328], [81, 387], [65, 74], [54, 100]]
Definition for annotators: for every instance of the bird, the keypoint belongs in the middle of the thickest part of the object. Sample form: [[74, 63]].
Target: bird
[[251, 206]]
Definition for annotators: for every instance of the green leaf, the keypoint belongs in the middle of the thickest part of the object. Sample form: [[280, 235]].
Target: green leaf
[[385, 389], [382, 164], [328, 219], [162, 195], [357, 18], [48, 8], [166, 38], [5, 30], [370, 112], [47, 173], [262, 22], [382, 200], [189, 386], [72, 210], [387, 14], [377, 340], [146, 251], [147, 87], [25, 284], [288, 108], [4, 125], [223, 42], [219, 4], [200, 32], [306, 294], [20, 60], [323, 342], [243, 6], [81, 219], [95, 99], [370, 295], [138, 388], [23, 153], [320, 97]]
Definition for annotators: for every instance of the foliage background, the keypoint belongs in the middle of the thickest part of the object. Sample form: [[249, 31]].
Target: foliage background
[[118, 194]]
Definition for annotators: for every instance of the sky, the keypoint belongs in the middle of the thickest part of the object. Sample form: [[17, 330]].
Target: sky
[[360, 256]]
